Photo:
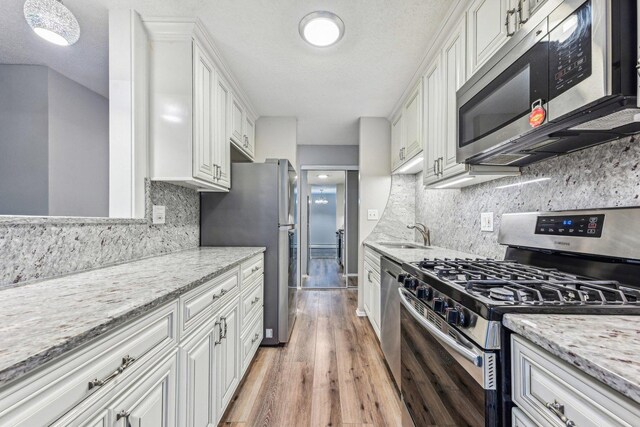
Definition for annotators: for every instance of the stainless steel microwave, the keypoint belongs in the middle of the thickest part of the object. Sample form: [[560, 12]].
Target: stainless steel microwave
[[568, 83]]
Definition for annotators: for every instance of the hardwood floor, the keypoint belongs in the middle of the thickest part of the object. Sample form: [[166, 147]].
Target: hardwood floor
[[326, 273], [331, 373]]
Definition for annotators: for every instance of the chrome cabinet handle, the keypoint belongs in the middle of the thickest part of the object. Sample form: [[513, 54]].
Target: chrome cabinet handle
[[558, 411], [254, 269], [219, 340], [638, 67], [224, 320], [507, 23], [523, 11], [441, 159], [222, 292], [255, 300], [255, 338], [468, 353], [435, 162], [126, 362], [219, 174], [124, 414]]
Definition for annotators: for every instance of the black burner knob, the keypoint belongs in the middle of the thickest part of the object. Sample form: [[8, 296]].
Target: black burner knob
[[402, 277], [439, 305], [424, 292], [453, 316], [410, 283]]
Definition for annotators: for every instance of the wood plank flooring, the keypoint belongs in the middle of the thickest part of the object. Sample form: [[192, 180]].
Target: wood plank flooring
[[331, 373], [326, 273]]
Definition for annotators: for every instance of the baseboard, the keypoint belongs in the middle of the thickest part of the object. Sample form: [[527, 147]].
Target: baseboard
[[361, 313]]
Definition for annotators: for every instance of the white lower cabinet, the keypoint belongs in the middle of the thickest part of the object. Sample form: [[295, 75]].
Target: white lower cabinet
[[165, 369], [372, 303]]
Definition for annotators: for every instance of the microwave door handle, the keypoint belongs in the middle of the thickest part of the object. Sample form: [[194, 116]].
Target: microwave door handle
[[465, 352]]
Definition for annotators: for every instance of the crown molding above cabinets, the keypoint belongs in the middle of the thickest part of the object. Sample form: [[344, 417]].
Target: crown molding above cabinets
[[424, 122], [194, 104]]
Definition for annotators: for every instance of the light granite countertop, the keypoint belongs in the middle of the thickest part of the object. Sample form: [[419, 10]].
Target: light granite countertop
[[605, 347], [42, 320], [410, 255]]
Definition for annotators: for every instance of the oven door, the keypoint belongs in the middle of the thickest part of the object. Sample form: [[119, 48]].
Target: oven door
[[445, 379]]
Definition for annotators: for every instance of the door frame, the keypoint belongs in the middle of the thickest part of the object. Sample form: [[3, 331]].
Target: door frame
[[305, 169]]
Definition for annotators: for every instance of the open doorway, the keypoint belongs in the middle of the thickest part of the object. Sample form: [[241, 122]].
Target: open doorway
[[328, 198]]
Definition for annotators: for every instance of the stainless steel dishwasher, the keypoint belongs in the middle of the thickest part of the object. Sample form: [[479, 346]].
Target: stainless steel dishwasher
[[390, 322]]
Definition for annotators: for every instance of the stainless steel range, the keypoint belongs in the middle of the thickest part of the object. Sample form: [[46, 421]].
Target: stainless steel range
[[454, 351]]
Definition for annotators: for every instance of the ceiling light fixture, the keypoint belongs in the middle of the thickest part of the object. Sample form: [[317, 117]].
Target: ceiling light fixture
[[323, 176], [517, 184], [52, 21], [321, 200], [321, 29]]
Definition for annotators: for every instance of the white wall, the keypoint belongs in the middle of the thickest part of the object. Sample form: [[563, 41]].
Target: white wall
[[322, 218], [78, 149], [276, 138], [375, 181]]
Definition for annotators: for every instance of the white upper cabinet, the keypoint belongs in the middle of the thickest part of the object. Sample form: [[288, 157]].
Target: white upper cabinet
[[194, 110], [397, 146], [250, 135], [433, 103], [242, 129], [413, 123], [487, 30]]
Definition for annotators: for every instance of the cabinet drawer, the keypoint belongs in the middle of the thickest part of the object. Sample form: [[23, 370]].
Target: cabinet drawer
[[251, 269], [251, 301], [251, 341], [194, 305], [548, 389], [374, 277], [55, 390], [373, 258], [519, 419]]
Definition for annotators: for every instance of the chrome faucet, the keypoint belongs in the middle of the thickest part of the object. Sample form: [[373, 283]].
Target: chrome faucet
[[426, 234]]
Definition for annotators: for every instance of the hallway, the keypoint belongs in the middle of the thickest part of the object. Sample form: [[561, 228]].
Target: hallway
[[331, 373]]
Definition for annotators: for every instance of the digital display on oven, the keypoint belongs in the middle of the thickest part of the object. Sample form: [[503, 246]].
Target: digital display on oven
[[571, 225], [570, 51]]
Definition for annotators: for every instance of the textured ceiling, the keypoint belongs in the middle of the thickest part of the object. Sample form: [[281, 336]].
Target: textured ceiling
[[327, 89]]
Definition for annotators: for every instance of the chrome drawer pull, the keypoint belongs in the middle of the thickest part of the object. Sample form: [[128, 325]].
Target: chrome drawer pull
[[558, 411], [124, 414], [254, 269], [255, 300], [219, 325], [224, 319], [222, 292], [255, 338], [126, 362]]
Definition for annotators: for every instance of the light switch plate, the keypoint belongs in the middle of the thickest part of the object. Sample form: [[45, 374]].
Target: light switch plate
[[486, 221], [269, 333], [372, 214], [158, 214]]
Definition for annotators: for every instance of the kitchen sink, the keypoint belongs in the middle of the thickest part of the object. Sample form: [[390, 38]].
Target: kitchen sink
[[403, 245]]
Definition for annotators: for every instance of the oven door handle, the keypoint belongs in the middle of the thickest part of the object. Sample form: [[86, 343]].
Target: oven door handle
[[465, 352]]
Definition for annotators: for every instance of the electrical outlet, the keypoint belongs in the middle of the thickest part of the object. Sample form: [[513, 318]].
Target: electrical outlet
[[486, 221], [372, 214], [158, 214], [268, 333]]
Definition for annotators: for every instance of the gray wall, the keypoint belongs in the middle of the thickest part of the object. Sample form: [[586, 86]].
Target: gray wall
[[327, 155], [78, 149], [322, 220], [23, 140], [36, 249], [604, 176], [54, 145]]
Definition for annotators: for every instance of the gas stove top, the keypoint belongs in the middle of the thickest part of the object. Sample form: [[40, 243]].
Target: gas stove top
[[512, 283]]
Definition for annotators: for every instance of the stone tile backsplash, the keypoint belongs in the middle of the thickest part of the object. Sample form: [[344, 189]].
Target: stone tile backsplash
[[604, 176], [37, 249]]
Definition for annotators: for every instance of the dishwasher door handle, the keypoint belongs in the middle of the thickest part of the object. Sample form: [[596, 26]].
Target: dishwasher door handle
[[472, 356]]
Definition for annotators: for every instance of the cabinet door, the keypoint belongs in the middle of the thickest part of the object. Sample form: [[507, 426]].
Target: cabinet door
[[221, 140], [368, 282], [237, 119], [228, 356], [432, 122], [453, 75], [250, 135], [412, 123], [376, 306], [396, 142], [203, 76], [487, 30], [198, 391]]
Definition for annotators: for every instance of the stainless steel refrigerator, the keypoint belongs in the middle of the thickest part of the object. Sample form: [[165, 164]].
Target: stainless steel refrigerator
[[260, 210]]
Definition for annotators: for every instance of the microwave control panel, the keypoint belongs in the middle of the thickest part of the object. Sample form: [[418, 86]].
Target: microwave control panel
[[571, 225], [570, 51]]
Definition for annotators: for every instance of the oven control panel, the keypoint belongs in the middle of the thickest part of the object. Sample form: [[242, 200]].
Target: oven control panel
[[571, 225]]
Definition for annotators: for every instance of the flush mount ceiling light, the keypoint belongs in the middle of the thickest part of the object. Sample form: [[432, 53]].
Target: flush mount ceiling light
[[323, 176], [52, 21], [321, 29]]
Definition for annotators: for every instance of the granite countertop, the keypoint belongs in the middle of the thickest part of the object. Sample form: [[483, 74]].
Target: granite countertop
[[42, 320], [410, 255], [605, 347]]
